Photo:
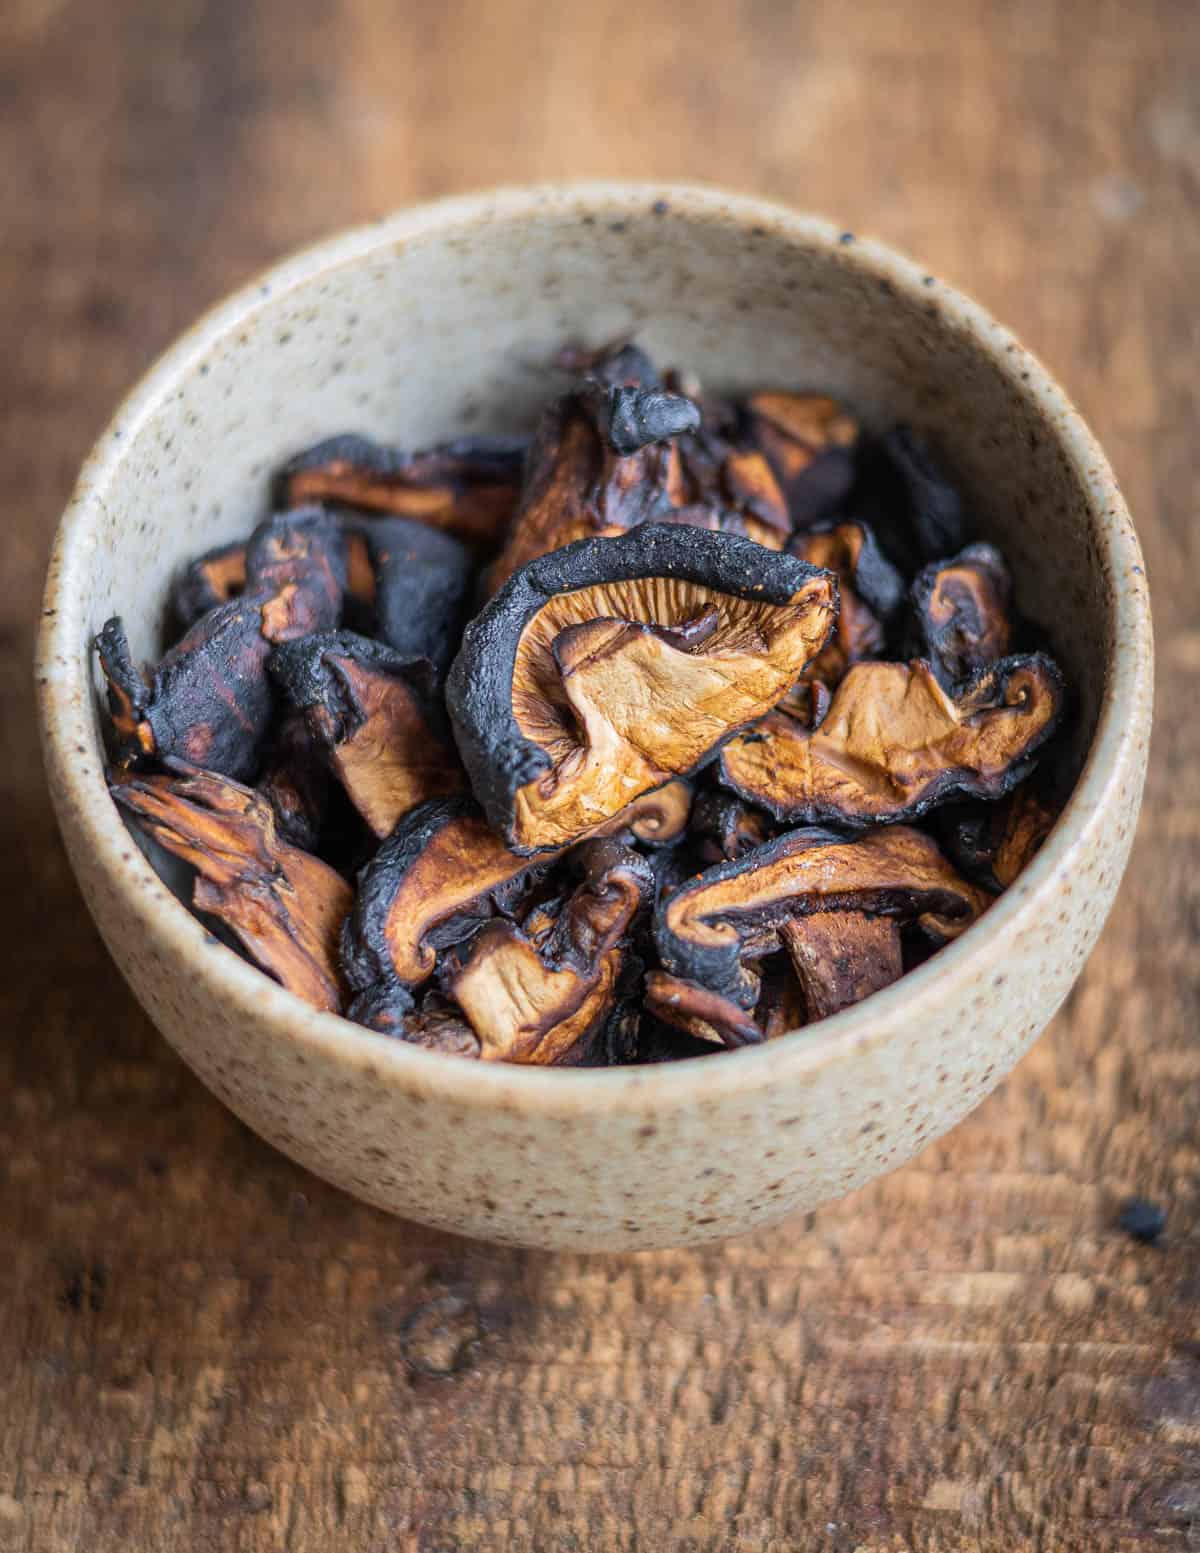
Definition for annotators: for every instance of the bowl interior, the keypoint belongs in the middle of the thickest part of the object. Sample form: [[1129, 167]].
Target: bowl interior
[[442, 322]]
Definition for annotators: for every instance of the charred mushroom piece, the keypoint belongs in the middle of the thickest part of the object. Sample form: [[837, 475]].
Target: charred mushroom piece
[[605, 670], [712, 929], [870, 589], [295, 782], [285, 907], [841, 957], [439, 875], [209, 701], [545, 992], [809, 699], [993, 844], [917, 512], [704, 1015], [809, 442], [580, 486], [372, 713], [894, 744], [725, 827], [731, 490], [421, 583], [212, 579], [960, 613], [433, 1022], [620, 363], [469, 487], [781, 1006]]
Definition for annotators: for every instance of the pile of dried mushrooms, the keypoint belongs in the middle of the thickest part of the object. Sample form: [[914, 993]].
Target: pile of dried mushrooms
[[691, 721]]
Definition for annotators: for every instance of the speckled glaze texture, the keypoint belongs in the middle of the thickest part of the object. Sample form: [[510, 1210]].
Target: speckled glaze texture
[[436, 322]]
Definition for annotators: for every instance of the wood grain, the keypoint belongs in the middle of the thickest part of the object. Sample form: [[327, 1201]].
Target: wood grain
[[202, 1348]]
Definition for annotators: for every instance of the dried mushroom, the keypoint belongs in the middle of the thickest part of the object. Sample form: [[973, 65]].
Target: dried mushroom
[[581, 485], [422, 582], [439, 875], [569, 821], [994, 843], [469, 487], [894, 743], [713, 928], [209, 701], [295, 782], [372, 713], [960, 613], [870, 590], [211, 579], [548, 990], [285, 906], [809, 442], [604, 670]]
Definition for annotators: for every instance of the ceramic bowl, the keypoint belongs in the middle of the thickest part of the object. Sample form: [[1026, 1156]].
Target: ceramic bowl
[[438, 321]]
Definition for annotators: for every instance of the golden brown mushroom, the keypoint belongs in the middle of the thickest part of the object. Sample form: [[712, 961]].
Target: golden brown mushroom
[[285, 907], [993, 843], [607, 669], [870, 590], [372, 713], [809, 442], [548, 991], [714, 927], [894, 743]]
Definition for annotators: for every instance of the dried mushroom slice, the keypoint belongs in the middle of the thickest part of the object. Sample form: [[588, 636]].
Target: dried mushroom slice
[[809, 442], [285, 907], [841, 957], [713, 928], [993, 843], [422, 582], [960, 613], [726, 827], [372, 713], [295, 782], [870, 589], [605, 670], [213, 578], [894, 743], [544, 992], [580, 485], [209, 701], [657, 819], [917, 512], [781, 1006], [432, 1022], [468, 487], [698, 1012], [732, 490], [439, 875]]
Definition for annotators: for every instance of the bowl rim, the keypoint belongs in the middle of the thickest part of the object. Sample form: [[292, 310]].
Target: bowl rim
[[64, 686]]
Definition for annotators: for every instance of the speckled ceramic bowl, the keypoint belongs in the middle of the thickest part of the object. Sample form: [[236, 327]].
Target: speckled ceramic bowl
[[435, 322]]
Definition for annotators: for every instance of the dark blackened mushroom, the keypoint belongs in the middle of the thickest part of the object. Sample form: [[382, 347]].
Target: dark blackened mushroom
[[373, 715], [809, 442], [439, 875], [295, 782], [714, 928], [546, 991], [421, 585], [212, 579], [632, 418], [209, 701], [431, 1021], [960, 613], [727, 827], [915, 508], [620, 363], [285, 907], [732, 490], [870, 589], [893, 743], [993, 843], [468, 488], [605, 670]]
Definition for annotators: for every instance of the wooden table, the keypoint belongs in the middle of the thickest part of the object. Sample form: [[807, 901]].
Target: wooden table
[[201, 1347]]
